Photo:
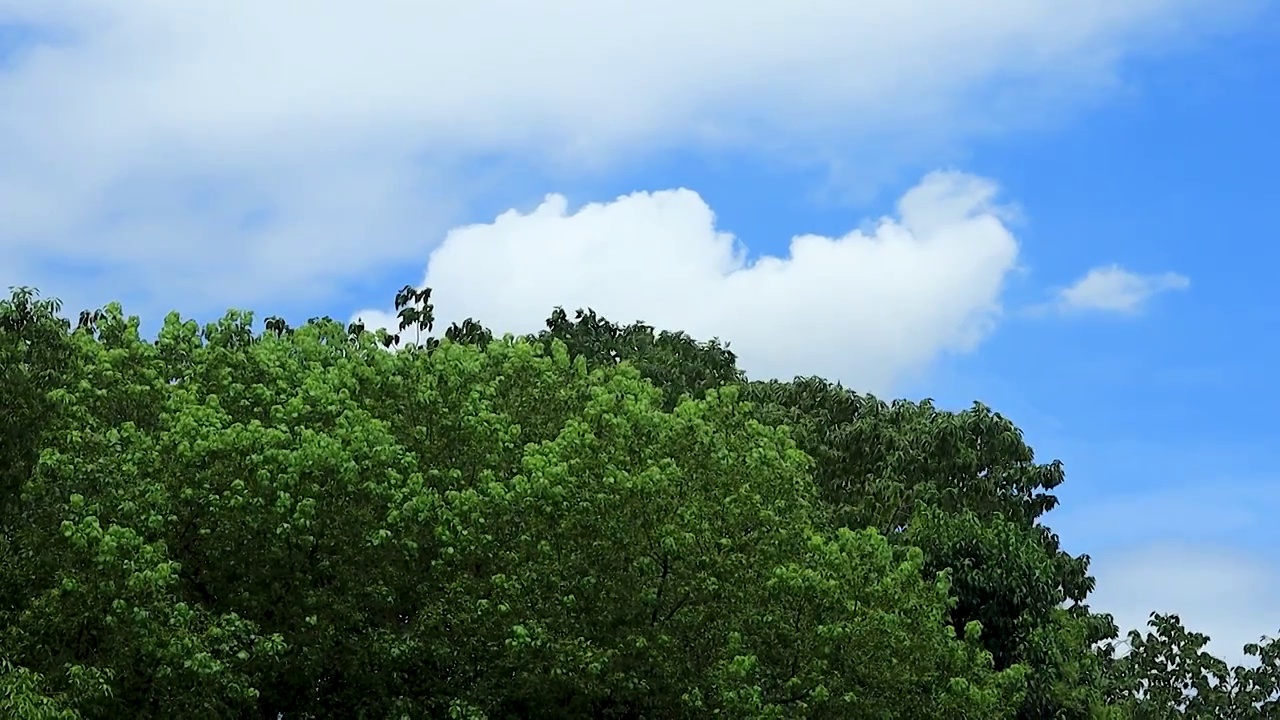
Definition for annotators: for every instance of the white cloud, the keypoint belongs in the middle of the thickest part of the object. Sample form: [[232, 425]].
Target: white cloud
[[1114, 289], [1225, 593], [861, 308], [146, 134]]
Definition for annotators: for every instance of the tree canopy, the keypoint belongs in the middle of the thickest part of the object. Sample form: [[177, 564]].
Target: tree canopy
[[595, 521]]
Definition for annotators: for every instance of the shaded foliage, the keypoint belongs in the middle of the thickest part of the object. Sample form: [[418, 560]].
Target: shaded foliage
[[35, 354], [675, 363]]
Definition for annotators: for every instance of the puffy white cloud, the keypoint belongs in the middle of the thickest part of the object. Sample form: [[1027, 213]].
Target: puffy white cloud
[[237, 150], [1114, 289], [862, 308]]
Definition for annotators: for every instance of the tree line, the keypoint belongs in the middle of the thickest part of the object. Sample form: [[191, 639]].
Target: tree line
[[593, 521]]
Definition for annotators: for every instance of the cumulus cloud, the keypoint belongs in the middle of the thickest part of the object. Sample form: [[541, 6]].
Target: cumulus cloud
[[249, 150], [1114, 289], [864, 308]]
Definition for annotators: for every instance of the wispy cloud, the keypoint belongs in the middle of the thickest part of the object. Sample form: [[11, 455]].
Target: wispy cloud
[[1116, 290], [1226, 592], [1180, 527], [252, 150]]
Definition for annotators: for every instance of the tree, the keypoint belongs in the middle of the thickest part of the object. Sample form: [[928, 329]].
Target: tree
[[222, 523], [593, 521], [964, 487], [1166, 674], [35, 354], [675, 363]]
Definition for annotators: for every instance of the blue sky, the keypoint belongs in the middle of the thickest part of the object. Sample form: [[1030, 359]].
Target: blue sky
[[174, 163]]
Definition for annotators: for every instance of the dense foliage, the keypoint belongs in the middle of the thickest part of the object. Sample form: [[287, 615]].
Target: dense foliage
[[595, 521]]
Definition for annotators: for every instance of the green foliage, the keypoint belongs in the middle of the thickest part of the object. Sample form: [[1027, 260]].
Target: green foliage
[[877, 461], [35, 353], [675, 363], [962, 487], [594, 521], [1166, 674], [24, 694]]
